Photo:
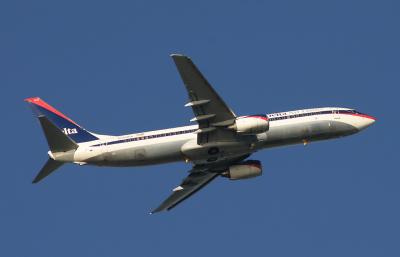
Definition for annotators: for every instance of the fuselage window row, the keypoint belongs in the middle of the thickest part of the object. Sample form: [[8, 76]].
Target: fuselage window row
[[149, 137], [193, 130]]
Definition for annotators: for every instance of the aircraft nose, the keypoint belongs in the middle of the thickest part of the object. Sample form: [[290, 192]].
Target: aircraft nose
[[366, 122]]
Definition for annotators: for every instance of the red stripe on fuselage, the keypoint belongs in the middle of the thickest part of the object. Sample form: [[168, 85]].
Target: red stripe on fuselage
[[257, 117], [360, 115], [39, 102]]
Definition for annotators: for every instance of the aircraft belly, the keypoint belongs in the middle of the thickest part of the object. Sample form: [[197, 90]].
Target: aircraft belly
[[215, 151]]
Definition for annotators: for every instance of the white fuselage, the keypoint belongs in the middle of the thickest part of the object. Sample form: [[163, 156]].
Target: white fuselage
[[180, 144]]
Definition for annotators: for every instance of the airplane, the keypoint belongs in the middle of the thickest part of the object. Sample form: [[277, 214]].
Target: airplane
[[218, 145]]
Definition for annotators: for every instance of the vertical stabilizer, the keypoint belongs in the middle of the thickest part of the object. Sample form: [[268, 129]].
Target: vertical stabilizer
[[56, 139], [67, 126]]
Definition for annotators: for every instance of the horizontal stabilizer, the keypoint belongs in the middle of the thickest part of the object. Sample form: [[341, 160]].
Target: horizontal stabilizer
[[50, 166]]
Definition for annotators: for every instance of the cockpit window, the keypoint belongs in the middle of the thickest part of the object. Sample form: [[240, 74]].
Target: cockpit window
[[350, 111]]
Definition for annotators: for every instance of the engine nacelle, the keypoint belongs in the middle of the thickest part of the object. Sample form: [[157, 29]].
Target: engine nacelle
[[243, 170], [251, 125]]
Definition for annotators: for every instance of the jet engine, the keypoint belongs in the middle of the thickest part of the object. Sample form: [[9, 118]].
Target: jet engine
[[243, 170], [251, 125]]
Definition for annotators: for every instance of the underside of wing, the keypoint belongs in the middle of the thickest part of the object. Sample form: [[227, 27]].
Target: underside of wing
[[199, 177], [190, 185], [211, 112]]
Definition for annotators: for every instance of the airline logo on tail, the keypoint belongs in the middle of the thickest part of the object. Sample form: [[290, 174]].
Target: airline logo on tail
[[69, 127], [69, 131]]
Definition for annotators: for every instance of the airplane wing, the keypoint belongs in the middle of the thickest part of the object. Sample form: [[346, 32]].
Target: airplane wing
[[199, 177], [211, 112], [190, 185]]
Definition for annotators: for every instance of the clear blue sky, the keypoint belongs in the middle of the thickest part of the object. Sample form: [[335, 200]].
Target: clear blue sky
[[107, 65]]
